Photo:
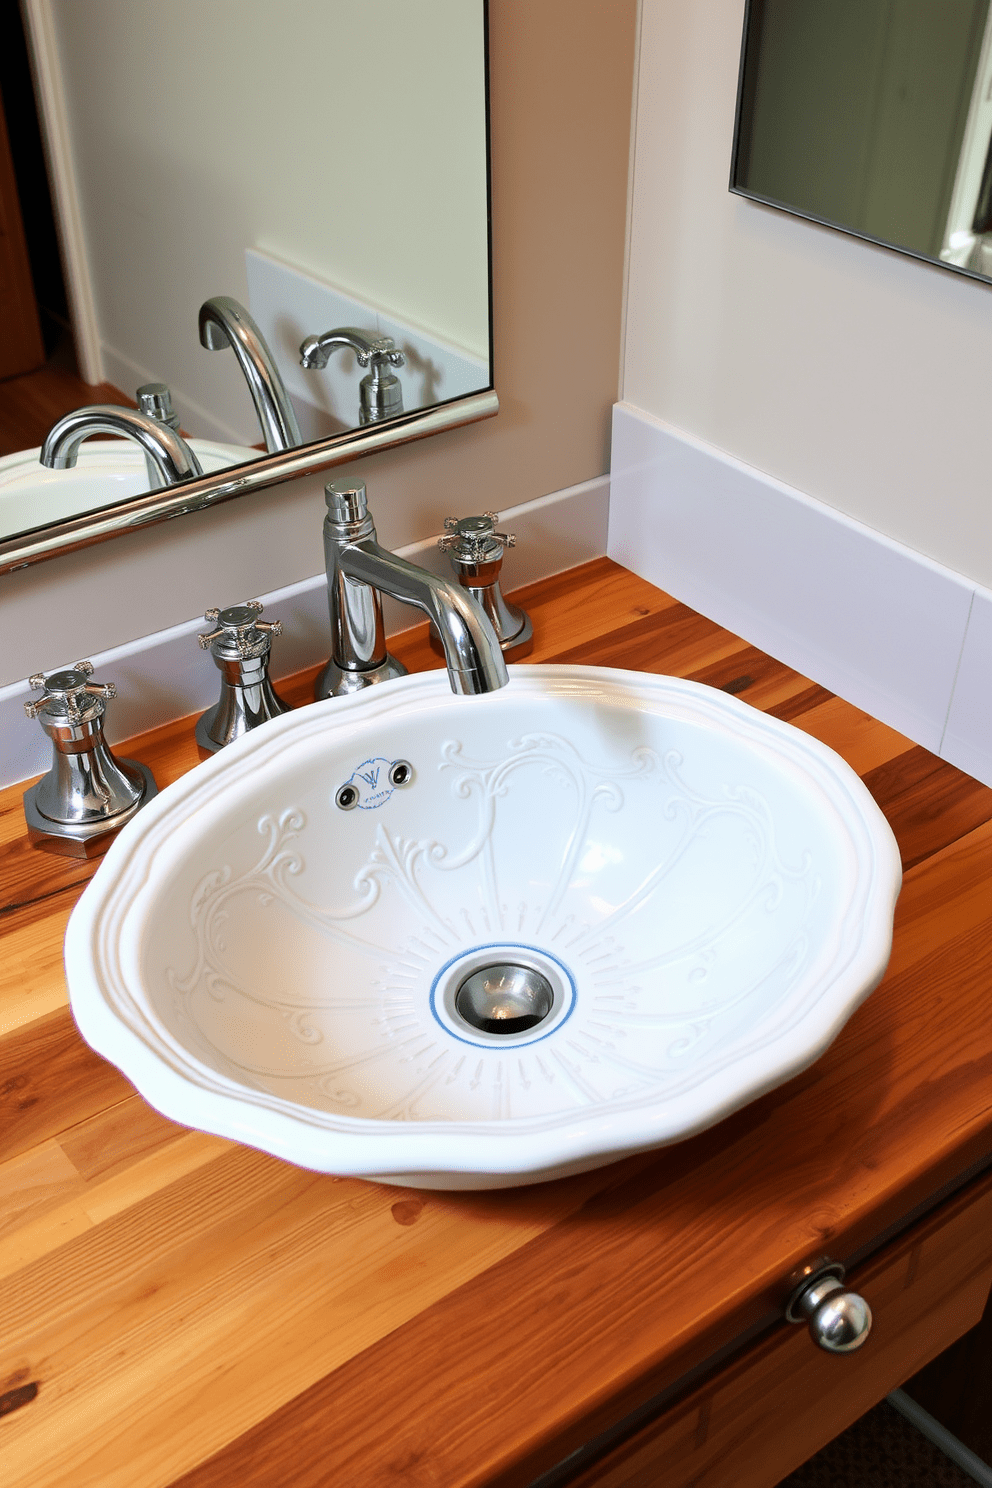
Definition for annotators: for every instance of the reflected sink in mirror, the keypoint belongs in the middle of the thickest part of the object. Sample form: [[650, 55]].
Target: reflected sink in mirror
[[475, 942], [106, 471]]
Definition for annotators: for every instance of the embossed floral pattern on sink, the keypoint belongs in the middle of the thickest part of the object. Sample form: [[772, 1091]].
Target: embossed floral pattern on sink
[[274, 948]]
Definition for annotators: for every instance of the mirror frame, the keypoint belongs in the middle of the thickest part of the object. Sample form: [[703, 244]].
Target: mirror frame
[[780, 206], [99, 524]]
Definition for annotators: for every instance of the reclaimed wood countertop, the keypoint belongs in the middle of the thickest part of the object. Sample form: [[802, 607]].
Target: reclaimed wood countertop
[[179, 1310]]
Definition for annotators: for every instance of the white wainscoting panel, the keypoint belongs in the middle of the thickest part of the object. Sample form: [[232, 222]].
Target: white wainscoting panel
[[880, 625], [165, 676]]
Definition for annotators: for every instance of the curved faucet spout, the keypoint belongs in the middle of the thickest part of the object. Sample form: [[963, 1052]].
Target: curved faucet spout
[[226, 322], [471, 647], [168, 451], [358, 570]]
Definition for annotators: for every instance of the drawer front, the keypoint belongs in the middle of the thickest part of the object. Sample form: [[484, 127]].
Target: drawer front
[[767, 1412]]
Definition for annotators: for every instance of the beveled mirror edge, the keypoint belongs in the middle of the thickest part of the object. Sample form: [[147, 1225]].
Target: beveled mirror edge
[[736, 189], [138, 512]]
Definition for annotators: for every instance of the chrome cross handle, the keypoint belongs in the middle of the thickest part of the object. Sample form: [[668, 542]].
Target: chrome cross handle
[[238, 627], [69, 694], [475, 538]]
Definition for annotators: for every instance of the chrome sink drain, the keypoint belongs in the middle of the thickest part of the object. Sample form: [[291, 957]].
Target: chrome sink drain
[[502, 995], [504, 998]]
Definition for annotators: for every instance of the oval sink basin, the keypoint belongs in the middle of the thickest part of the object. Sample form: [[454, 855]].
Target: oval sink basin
[[106, 471], [474, 942]]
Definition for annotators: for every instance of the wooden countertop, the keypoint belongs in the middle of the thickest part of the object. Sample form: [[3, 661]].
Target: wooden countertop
[[178, 1310]]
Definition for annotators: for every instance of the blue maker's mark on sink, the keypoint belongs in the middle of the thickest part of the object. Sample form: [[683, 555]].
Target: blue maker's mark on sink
[[372, 783]]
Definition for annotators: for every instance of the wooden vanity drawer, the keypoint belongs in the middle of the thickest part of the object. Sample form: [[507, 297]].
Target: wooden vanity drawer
[[767, 1412]]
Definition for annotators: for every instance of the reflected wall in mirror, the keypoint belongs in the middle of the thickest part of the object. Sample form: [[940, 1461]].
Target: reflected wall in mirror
[[324, 165], [873, 116]]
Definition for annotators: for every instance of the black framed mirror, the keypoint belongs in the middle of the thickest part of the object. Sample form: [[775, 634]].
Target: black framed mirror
[[874, 117]]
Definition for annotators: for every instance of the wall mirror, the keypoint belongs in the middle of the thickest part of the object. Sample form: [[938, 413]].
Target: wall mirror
[[326, 166], [873, 116]]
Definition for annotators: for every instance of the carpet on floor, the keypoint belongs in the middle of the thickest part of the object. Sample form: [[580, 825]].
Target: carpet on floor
[[882, 1450]]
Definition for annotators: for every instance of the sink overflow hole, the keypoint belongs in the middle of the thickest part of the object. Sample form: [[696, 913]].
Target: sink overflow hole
[[504, 998]]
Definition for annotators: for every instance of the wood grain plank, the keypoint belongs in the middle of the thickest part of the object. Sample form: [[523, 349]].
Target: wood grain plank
[[114, 1139], [856, 736], [32, 982], [38, 1180], [215, 1300], [33, 882], [756, 678], [49, 1080], [928, 802], [676, 641], [585, 602], [40, 1236], [789, 709]]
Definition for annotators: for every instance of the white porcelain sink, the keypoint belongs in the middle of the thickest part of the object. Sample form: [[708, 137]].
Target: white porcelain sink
[[707, 893], [107, 470]]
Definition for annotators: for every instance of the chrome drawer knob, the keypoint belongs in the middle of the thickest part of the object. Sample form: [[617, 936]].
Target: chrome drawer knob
[[839, 1321]]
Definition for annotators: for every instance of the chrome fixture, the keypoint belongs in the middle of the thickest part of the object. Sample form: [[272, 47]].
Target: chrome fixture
[[155, 399], [380, 393], [504, 998], [240, 647], [839, 1321], [224, 322], [88, 794], [171, 456], [476, 551], [357, 570]]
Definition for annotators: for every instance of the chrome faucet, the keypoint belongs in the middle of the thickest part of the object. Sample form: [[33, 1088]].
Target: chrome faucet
[[225, 322], [380, 392], [164, 447], [357, 570]]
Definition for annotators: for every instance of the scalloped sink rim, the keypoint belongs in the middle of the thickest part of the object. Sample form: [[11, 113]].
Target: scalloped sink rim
[[115, 920]]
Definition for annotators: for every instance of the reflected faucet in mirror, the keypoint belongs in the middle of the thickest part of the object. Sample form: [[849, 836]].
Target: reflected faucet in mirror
[[380, 392], [224, 322], [167, 450]]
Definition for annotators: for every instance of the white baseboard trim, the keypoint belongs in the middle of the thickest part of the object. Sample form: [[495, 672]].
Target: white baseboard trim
[[893, 632], [165, 676]]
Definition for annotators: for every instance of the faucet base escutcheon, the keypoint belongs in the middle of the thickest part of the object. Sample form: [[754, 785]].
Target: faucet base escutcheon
[[339, 681]]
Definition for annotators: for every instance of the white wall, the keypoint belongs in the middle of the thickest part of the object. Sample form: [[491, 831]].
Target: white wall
[[344, 138], [853, 373]]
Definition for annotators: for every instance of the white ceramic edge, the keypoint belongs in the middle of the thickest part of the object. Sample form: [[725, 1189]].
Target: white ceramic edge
[[488, 1151], [879, 624]]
